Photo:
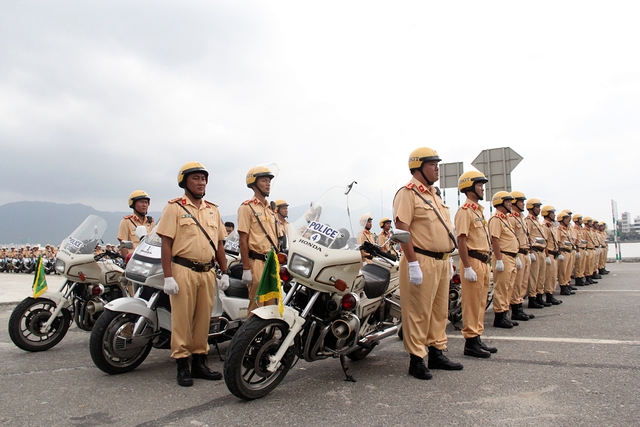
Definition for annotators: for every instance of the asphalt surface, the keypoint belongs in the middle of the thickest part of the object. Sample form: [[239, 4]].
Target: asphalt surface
[[576, 364]]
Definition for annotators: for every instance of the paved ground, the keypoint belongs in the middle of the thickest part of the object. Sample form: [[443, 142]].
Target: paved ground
[[575, 364]]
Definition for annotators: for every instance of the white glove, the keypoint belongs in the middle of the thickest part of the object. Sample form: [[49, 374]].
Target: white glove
[[451, 269], [247, 278], [499, 265], [518, 264], [415, 274], [223, 283], [470, 275], [577, 255], [532, 257], [560, 257], [548, 260], [170, 286]]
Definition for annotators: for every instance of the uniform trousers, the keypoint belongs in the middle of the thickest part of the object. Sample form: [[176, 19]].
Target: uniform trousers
[[503, 283], [603, 258], [474, 298], [257, 267], [425, 306], [563, 279], [591, 262], [551, 275], [522, 280], [569, 262], [191, 311], [581, 264], [536, 275]]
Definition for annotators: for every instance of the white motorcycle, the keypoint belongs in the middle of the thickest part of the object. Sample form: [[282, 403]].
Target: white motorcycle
[[38, 324], [130, 327], [336, 307]]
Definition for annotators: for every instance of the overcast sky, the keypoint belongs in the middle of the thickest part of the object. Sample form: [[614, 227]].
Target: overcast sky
[[98, 99]]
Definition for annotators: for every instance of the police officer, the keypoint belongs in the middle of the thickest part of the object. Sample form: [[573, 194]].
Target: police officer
[[474, 248], [591, 250], [581, 252], [548, 212], [516, 219], [595, 227], [602, 237], [537, 256], [192, 232], [258, 229], [424, 268], [366, 236], [282, 213], [138, 201], [383, 238], [505, 259], [565, 258]]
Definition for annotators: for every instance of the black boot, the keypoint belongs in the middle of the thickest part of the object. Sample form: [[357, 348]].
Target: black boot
[[417, 368], [516, 314], [199, 368], [521, 311], [473, 348], [437, 360], [184, 376], [551, 299], [596, 276], [604, 271], [501, 321], [566, 290], [486, 347], [590, 280], [533, 303], [542, 301], [579, 281]]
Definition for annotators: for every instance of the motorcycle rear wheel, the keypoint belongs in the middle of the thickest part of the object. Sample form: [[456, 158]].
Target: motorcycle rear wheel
[[110, 332], [248, 354], [27, 319]]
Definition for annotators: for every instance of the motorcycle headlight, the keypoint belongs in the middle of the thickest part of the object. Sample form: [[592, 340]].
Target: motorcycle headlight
[[60, 266], [300, 265], [142, 268]]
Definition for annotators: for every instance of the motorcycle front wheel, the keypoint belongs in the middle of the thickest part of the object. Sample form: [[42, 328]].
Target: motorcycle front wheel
[[248, 355], [25, 324], [112, 346]]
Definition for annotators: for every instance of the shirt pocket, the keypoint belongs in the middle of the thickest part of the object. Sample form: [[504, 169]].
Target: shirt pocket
[[212, 229], [426, 212], [187, 227]]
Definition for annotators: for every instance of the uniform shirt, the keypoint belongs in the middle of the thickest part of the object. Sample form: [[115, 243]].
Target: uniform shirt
[[366, 235], [188, 239], [579, 230], [521, 228], [248, 223], [535, 230], [427, 232], [388, 246], [500, 228], [128, 225], [470, 222], [550, 235], [590, 238], [563, 234]]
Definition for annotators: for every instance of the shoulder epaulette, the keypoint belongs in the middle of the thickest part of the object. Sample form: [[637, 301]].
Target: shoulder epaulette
[[410, 185], [127, 216], [182, 200], [209, 204], [246, 202], [466, 206]]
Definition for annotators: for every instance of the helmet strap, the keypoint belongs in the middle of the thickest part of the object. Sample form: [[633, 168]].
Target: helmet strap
[[139, 215], [425, 177], [195, 196]]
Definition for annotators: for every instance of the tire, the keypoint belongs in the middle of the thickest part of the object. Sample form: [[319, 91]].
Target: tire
[[360, 353], [248, 355], [104, 346], [26, 320]]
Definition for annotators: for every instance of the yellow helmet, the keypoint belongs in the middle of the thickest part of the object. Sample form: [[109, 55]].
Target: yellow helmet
[[189, 168], [137, 195], [257, 172], [364, 219], [533, 202], [562, 215], [587, 219], [280, 203], [576, 217], [546, 209], [567, 211], [383, 220], [421, 155], [595, 221], [468, 179], [500, 197], [518, 195]]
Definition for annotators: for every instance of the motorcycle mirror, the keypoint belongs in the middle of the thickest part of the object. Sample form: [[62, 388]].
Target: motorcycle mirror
[[400, 236], [141, 231], [126, 244]]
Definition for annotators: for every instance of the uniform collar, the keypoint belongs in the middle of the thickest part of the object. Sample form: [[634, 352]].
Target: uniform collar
[[414, 183]]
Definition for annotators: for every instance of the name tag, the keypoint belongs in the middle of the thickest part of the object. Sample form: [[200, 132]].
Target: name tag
[[187, 216]]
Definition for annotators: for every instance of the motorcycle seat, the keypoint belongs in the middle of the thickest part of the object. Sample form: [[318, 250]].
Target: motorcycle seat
[[376, 280], [237, 289]]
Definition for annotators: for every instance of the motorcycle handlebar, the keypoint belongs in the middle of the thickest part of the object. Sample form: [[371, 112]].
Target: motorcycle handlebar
[[373, 249], [110, 254]]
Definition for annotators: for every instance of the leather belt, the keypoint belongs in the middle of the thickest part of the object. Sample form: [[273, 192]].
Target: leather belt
[[479, 255], [523, 251], [565, 250], [511, 254], [554, 253], [533, 248], [591, 249], [256, 255], [198, 267], [436, 255]]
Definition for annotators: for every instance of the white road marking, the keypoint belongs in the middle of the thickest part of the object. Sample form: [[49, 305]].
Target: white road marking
[[609, 290], [560, 340]]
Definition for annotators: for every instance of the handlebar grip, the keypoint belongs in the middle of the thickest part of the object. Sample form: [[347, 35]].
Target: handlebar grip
[[373, 249]]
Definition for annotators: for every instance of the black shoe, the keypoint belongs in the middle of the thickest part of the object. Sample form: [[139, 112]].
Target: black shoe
[[541, 301], [184, 376], [590, 280], [566, 290], [521, 311], [437, 360], [579, 281], [473, 348], [417, 368], [596, 276], [533, 303], [571, 288], [486, 347], [604, 271], [501, 321], [199, 369], [517, 314], [552, 300]]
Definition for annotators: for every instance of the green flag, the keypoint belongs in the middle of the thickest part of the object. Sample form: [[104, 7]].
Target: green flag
[[39, 280], [270, 286]]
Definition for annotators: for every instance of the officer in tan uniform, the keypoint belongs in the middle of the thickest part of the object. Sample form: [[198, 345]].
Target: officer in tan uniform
[[282, 213], [591, 250], [474, 248], [581, 253], [595, 231], [139, 202], [505, 259], [383, 237], [188, 258], [258, 229], [424, 268], [536, 255], [517, 222], [548, 212], [366, 235], [565, 258], [602, 237]]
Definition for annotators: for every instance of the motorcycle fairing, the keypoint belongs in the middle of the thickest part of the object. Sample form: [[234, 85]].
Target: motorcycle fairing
[[376, 280]]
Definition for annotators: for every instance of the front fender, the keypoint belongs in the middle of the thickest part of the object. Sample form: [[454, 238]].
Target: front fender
[[133, 306], [290, 315], [57, 298]]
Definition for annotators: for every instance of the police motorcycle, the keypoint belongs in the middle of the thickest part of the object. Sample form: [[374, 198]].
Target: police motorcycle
[[336, 307], [38, 324], [130, 327]]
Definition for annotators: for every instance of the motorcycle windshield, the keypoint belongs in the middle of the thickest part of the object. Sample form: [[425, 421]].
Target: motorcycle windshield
[[85, 238], [232, 243], [334, 220]]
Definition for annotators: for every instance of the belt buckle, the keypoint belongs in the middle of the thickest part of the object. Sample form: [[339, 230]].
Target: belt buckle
[[446, 256], [206, 268]]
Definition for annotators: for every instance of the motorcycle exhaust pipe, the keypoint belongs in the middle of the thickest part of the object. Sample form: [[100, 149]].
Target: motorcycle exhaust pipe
[[94, 306], [378, 336], [343, 327]]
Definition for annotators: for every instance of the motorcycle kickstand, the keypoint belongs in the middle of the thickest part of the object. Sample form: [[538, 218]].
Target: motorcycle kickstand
[[349, 377], [218, 350]]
